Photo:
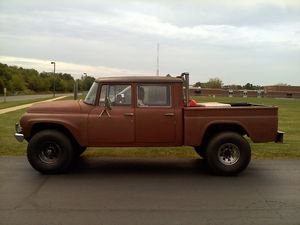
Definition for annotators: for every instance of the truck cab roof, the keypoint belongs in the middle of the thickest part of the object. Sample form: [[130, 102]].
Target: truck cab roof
[[139, 79]]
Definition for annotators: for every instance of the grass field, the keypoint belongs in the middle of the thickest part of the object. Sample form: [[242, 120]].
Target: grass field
[[289, 111]]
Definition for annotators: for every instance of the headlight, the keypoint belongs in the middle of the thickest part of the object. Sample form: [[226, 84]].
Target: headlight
[[18, 128]]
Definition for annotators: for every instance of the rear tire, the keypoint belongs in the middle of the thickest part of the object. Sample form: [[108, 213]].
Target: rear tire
[[228, 153], [50, 151], [200, 151]]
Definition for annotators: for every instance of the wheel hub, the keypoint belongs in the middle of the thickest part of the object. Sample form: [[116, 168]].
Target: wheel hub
[[49, 153], [228, 154]]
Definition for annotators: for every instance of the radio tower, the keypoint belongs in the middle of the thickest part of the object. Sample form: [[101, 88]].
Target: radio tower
[[157, 63]]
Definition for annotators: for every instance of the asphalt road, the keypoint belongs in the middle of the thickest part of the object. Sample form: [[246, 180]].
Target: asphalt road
[[149, 191], [23, 106], [31, 97]]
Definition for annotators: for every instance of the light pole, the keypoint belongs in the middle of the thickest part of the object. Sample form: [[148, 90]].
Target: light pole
[[53, 78], [157, 60]]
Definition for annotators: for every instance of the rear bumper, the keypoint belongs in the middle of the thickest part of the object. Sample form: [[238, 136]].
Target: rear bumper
[[279, 137]]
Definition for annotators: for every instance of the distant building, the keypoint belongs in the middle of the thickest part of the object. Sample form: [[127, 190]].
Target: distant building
[[275, 91], [197, 91], [282, 91]]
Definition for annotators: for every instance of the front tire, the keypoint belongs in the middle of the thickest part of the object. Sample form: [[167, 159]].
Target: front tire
[[78, 150], [50, 151], [228, 153]]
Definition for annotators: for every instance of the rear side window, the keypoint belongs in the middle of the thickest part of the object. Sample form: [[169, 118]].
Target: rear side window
[[119, 95], [154, 95]]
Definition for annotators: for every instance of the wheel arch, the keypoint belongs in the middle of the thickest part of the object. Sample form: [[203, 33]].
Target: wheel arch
[[216, 128], [37, 127]]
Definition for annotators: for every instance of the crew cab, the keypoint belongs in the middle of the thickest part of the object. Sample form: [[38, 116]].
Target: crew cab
[[145, 111]]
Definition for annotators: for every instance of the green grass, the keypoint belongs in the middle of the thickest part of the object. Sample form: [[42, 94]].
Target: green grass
[[289, 111], [21, 102], [8, 144]]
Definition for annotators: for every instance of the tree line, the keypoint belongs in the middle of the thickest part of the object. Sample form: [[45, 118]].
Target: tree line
[[18, 80], [218, 83]]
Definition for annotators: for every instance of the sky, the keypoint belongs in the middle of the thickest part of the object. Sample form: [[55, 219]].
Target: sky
[[255, 41]]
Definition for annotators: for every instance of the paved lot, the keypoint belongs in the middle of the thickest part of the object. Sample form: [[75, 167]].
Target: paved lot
[[149, 191], [29, 97], [15, 108]]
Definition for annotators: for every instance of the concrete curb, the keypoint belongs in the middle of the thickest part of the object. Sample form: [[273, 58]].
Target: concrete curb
[[15, 108]]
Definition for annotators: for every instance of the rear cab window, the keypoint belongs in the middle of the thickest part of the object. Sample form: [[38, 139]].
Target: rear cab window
[[153, 95]]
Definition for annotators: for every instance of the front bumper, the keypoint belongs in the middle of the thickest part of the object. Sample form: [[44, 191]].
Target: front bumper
[[279, 137], [19, 137]]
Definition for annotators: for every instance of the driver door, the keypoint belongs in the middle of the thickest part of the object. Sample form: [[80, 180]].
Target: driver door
[[115, 126]]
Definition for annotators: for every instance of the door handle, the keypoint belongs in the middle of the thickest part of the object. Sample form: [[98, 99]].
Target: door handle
[[169, 114], [128, 114]]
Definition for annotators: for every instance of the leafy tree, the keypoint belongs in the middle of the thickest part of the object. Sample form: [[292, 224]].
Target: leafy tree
[[5, 77], [214, 83], [233, 87], [2, 85], [18, 79], [249, 86], [198, 84], [85, 83], [18, 83]]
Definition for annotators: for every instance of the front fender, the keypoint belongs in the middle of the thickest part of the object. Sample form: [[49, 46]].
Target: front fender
[[75, 124]]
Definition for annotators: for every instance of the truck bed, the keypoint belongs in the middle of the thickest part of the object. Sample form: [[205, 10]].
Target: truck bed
[[259, 122]]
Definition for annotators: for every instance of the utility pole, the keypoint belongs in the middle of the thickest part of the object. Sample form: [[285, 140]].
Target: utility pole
[[53, 79], [157, 62], [75, 90], [4, 94]]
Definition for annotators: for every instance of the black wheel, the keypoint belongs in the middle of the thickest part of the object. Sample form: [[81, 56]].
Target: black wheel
[[78, 150], [200, 151], [228, 153], [50, 151]]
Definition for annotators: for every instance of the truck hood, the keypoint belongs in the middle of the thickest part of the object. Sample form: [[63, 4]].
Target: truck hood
[[67, 106]]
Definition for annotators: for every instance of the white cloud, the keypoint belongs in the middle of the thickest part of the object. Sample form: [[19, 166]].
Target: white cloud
[[236, 40], [89, 25], [76, 70]]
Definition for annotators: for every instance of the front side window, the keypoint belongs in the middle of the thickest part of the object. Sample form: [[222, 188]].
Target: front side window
[[92, 94], [154, 95], [119, 95]]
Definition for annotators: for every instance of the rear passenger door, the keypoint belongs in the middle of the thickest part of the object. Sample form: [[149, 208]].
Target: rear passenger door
[[154, 115]]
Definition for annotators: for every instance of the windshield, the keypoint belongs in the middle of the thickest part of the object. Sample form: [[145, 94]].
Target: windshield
[[91, 95]]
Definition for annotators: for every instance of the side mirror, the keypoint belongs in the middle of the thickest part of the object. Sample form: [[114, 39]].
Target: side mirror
[[107, 103]]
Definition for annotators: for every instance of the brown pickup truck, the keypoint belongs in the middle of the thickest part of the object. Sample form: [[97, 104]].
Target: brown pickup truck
[[145, 111]]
